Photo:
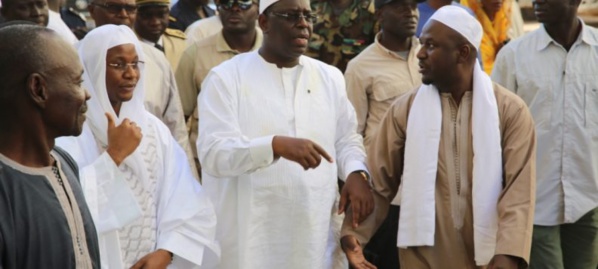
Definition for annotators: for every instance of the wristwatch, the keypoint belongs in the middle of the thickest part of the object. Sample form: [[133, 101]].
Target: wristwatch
[[365, 176]]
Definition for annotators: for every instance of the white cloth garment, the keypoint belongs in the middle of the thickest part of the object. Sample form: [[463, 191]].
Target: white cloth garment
[[272, 213], [151, 201], [56, 23], [417, 216]]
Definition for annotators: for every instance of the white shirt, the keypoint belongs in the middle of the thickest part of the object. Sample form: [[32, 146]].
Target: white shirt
[[561, 90], [56, 23], [272, 213], [153, 44]]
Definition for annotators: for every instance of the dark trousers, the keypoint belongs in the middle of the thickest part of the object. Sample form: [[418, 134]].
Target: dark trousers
[[382, 248]]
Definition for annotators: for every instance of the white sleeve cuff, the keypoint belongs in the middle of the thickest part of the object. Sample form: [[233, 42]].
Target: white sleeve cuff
[[186, 254], [261, 151], [352, 166]]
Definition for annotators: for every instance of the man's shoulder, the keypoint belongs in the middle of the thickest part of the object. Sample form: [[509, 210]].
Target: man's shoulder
[[525, 44], [175, 11], [507, 99], [204, 24], [175, 33], [208, 41], [155, 57], [368, 54], [401, 106], [241, 61]]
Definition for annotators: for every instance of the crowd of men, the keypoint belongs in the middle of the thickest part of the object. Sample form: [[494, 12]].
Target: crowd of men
[[329, 134]]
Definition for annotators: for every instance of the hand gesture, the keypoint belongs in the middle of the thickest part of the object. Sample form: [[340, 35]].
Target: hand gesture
[[504, 262], [357, 192], [302, 151], [122, 139], [158, 259], [354, 253]]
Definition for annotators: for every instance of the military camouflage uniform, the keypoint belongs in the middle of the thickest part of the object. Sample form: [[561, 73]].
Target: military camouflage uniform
[[338, 39]]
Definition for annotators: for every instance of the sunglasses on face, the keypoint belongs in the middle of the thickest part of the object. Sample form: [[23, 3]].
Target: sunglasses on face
[[117, 8], [228, 4], [296, 17]]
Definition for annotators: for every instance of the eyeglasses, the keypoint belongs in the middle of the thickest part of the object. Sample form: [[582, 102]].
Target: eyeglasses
[[228, 4], [296, 17], [117, 8], [125, 66]]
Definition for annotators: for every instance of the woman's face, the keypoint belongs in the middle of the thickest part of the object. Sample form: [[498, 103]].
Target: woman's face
[[122, 73]]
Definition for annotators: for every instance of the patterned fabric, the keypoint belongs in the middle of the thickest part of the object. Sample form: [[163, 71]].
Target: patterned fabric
[[495, 32], [139, 238], [336, 39]]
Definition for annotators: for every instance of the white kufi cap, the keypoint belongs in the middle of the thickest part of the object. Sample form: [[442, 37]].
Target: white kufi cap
[[265, 4], [459, 20]]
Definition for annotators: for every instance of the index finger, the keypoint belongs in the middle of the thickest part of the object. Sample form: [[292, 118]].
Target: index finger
[[322, 152], [356, 209]]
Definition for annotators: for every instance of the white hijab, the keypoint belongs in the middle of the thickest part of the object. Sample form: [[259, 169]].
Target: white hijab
[[92, 51]]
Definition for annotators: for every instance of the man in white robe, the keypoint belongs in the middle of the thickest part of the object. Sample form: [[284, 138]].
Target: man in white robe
[[142, 194], [276, 130]]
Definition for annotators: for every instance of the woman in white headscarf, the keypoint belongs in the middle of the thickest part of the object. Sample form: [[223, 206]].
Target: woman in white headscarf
[[148, 207]]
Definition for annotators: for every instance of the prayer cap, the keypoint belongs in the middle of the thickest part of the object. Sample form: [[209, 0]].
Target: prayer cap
[[265, 4], [379, 3], [462, 22], [141, 3]]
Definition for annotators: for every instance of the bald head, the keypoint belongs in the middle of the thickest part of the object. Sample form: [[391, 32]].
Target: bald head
[[21, 53]]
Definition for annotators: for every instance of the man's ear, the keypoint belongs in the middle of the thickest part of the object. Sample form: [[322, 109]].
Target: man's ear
[[262, 21], [465, 53], [91, 8], [378, 15], [37, 89]]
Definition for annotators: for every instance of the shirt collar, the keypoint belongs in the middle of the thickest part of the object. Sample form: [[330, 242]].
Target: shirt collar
[[222, 46], [160, 42], [385, 51], [584, 36]]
